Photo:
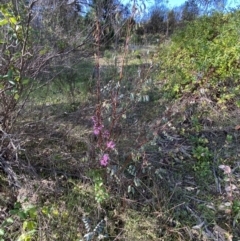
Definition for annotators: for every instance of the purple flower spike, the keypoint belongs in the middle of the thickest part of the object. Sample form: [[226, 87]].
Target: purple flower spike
[[110, 144], [104, 160]]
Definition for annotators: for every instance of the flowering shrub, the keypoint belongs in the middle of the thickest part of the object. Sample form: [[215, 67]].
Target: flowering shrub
[[104, 135]]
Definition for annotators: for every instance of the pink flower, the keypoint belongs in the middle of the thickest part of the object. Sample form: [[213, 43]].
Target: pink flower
[[104, 160], [110, 144], [106, 134], [97, 129], [97, 126]]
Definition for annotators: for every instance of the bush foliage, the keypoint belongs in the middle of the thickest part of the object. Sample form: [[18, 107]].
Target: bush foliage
[[204, 58]]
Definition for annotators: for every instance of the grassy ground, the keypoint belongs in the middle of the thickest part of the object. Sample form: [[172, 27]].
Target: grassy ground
[[169, 186]]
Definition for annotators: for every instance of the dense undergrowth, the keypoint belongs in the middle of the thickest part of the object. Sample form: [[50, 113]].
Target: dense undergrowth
[[203, 59], [160, 161]]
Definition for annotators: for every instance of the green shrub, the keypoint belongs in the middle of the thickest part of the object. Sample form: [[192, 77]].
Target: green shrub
[[204, 58]]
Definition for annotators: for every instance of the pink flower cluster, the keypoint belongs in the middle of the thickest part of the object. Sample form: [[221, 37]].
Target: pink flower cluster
[[110, 145], [97, 126], [106, 134], [104, 160]]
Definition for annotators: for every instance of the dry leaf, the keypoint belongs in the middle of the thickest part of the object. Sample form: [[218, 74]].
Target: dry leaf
[[226, 169], [237, 128]]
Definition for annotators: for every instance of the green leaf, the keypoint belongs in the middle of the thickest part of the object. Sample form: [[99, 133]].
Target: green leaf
[[4, 9], [1, 232], [25, 237], [238, 103], [13, 20], [16, 96], [32, 212], [17, 205], [29, 225], [10, 74], [11, 82], [25, 81], [9, 220], [3, 22], [22, 215], [45, 210]]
